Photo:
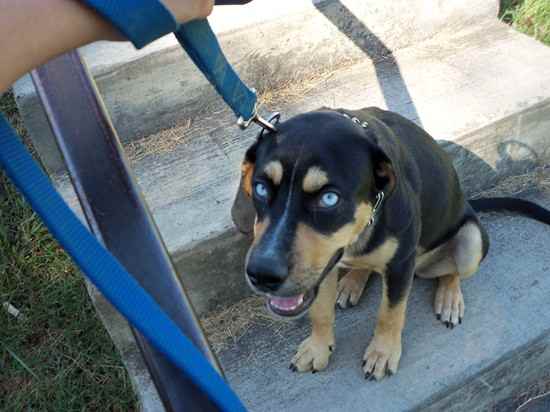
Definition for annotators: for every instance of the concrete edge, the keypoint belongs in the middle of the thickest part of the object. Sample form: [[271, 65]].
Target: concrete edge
[[498, 381]]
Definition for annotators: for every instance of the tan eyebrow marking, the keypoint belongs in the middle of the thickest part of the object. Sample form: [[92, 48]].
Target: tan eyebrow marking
[[274, 170], [314, 179]]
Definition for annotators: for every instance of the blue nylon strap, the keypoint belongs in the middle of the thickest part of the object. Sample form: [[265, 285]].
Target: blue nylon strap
[[146, 20], [201, 44], [107, 274], [140, 21]]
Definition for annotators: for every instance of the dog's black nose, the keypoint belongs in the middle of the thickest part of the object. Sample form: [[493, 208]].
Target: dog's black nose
[[267, 273]]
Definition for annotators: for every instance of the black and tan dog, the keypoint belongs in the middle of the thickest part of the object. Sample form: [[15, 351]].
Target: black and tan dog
[[359, 191]]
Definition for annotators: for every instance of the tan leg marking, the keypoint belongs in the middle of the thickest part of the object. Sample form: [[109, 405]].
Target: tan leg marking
[[314, 352], [375, 260], [457, 259], [351, 287], [449, 302], [384, 351], [469, 250]]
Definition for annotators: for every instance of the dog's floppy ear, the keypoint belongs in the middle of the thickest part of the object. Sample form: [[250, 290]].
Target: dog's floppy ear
[[383, 145], [242, 211], [385, 170]]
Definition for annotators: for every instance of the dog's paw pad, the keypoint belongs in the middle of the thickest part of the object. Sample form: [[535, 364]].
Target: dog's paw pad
[[350, 289], [449, 302], [381, 358], [312, 355]]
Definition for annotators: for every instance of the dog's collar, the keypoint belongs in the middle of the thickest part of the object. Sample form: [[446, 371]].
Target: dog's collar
[[363, 124], [376, 207]]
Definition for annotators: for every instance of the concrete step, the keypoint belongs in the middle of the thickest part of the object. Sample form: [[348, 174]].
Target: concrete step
[[476, 90], [504, 341], [270, 44]]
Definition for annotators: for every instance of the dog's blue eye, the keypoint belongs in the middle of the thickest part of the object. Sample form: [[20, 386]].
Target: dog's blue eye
[[329, 199], [261, 190]]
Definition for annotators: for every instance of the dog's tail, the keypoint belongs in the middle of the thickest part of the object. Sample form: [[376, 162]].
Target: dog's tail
[[510, 204]]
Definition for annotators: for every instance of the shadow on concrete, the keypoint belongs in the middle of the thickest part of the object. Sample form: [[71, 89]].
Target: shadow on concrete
[[395, 92]]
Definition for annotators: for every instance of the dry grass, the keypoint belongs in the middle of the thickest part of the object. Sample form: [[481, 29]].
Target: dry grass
[[283, 94], [294, 90], [227, 326], [514, 185], [158, 143]]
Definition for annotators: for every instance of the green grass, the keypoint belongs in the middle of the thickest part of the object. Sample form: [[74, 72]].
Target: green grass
[[58, 357], [531, 17]]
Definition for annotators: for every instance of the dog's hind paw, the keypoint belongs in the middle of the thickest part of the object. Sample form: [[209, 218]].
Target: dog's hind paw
[[351, 287], [449, 302], [313, 355]]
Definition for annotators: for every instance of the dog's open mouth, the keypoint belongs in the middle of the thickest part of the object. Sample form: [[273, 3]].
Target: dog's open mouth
[[291, 306]]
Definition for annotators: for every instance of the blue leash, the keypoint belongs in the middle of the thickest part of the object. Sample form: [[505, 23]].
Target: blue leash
[[141, 22], [146, 20]]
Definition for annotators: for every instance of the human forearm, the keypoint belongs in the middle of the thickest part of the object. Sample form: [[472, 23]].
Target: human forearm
[[34, 31]]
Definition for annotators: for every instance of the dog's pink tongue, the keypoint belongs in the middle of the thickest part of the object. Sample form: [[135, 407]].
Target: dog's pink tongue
[[287, 304]]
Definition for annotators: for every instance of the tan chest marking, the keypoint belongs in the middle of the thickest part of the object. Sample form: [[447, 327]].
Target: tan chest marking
[[376, 260]]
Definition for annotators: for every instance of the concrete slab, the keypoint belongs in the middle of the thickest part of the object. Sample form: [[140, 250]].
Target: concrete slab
[[507, 308], [269, 44]]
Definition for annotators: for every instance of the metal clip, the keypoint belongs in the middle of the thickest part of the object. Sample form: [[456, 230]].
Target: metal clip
[[379, 200], [260, 121]]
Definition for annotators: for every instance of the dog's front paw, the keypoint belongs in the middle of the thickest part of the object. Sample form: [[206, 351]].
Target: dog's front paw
[[382, 357], [313, 355], [351, 287]]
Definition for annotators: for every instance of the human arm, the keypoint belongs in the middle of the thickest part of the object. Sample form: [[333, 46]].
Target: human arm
[[35, 31]]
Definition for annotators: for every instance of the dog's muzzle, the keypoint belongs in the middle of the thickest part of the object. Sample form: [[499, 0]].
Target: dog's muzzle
[[295, 306]]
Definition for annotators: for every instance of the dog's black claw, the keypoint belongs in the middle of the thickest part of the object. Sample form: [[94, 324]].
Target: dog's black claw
[[314, 371], [367, 376], [438, 316], [293, 367], [447, 323], [459, 321], [372, 378], [331, 348], [363, 363], [452, 325], [389, 372]]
